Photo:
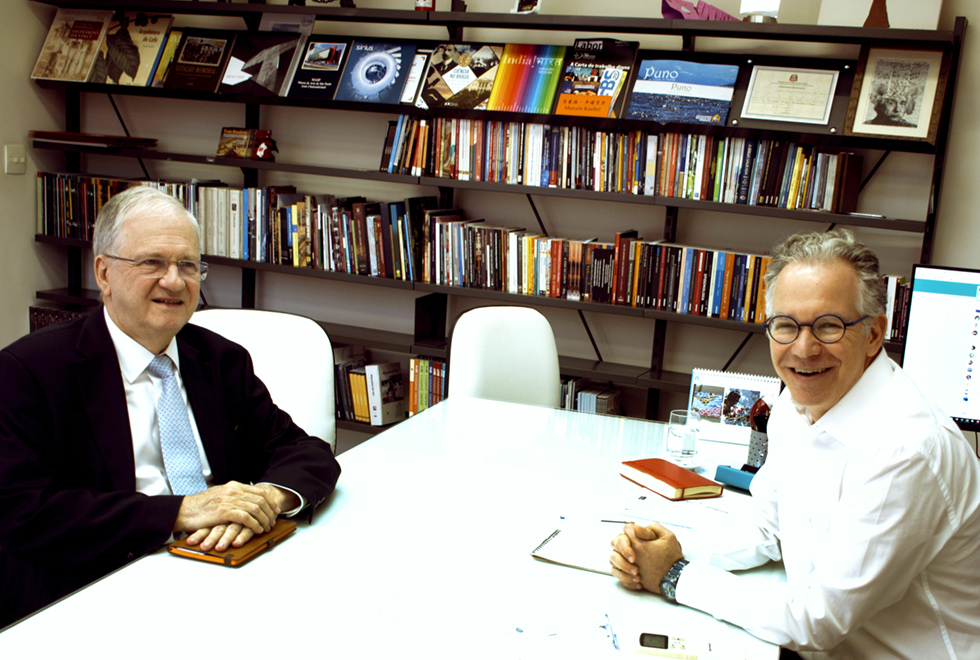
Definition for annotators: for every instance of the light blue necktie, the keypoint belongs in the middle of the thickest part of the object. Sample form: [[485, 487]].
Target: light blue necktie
[[180, 457]]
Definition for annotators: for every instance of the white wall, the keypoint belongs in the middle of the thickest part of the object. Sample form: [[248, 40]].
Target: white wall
[[25, 266], [353, 139]]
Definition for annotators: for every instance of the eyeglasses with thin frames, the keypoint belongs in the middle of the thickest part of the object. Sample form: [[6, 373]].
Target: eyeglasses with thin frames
[[157, 268], [826, 328]]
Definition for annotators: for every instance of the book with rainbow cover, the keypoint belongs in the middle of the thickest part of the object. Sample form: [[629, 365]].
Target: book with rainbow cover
[[527, 78]]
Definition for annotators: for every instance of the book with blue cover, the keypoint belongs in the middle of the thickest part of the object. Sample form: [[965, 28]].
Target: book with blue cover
[[679, 92], [375, 72]]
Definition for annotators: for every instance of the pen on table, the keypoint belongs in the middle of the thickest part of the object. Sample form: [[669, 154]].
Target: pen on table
[[662, 522]]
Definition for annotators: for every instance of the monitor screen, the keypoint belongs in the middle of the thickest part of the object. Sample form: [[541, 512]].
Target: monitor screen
[[941, 340]]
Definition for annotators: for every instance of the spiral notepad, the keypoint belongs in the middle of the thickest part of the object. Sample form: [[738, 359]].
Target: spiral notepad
[[724, 399]]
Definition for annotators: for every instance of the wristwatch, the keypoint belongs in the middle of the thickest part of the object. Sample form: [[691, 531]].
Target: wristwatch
[[668, 585]]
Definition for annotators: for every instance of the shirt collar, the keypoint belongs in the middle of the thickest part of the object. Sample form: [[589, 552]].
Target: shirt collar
[[133, 356], [848, 417]]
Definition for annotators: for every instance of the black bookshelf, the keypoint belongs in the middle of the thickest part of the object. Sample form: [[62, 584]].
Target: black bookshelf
[[455, 24]]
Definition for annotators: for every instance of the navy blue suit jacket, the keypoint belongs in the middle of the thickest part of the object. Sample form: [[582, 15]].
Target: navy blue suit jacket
[[69, 511]]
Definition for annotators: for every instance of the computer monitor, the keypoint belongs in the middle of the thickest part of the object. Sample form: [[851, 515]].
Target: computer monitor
[[941, 340]]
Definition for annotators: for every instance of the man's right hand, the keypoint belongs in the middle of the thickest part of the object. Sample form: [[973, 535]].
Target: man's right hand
[[252, 507]]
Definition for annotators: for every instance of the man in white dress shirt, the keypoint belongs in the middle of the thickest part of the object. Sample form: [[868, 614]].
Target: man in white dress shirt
[[870, 494]]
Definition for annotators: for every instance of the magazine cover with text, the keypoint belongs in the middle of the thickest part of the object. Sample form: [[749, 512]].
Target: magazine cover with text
[[679, 92], [594, 78], [375, 72], [460, 76], [318, 73]]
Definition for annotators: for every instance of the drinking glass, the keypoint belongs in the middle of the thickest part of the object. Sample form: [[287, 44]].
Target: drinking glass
[[683, 429]]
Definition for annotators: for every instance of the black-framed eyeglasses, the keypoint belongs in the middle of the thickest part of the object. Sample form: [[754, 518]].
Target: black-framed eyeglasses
[[189, 270], [827, 328]]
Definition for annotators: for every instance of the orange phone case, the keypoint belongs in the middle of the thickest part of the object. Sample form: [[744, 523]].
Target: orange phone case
[[237, 556]]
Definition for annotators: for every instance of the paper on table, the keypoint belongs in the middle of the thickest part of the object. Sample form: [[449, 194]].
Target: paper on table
[[580, 544], [584, 542]]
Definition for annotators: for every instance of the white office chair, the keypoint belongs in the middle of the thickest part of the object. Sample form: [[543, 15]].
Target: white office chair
[[507, 354], [292, 355]]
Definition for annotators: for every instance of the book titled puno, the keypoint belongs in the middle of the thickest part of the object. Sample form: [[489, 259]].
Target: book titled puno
[[670, 480], [527, 78], [675, 91]]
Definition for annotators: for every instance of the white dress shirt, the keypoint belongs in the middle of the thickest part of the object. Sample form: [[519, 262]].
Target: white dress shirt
[[142, 391], [875, 512]]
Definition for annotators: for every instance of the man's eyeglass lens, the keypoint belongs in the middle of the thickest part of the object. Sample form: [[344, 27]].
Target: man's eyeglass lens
[[828, 328]]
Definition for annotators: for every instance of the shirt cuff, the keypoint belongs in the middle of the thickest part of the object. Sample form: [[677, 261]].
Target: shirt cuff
[[292, 512]]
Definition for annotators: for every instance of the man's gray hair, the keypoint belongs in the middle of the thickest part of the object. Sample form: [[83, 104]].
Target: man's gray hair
[[827, 247], [133, 202]]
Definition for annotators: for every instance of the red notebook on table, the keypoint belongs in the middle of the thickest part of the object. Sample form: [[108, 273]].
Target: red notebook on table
[[670, 480]]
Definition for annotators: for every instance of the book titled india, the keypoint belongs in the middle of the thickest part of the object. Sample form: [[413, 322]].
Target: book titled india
[[319, 72], [375, 72], [460, 75], [675, 91], [527, 78], [595, 75]]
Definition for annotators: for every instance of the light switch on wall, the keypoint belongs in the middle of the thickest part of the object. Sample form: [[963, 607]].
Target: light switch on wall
[[14, 159]]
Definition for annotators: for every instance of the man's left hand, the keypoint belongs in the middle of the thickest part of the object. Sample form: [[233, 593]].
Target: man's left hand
[[642, 556], [234, 535]]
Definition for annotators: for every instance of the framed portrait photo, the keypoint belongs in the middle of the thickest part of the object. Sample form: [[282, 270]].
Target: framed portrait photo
[[898, 94]]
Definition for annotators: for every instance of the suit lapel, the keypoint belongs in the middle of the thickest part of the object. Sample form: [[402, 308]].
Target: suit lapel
[[96, 370]]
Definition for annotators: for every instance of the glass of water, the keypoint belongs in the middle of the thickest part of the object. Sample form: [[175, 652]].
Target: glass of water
[[683, 429]]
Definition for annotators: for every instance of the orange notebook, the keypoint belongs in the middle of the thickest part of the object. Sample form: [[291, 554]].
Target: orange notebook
[[237, 556], [670, 480]]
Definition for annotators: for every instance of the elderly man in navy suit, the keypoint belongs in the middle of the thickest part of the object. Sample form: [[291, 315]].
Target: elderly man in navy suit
[[84, 483]]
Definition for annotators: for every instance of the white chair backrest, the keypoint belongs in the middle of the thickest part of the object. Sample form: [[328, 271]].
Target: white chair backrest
[[292, 355], [507, 354]]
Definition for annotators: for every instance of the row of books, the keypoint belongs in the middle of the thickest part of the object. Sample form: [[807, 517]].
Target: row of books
[[45, 315], [415, 240], [897, 292], [68, 204], [580, 394], [757, 172], [368, 392], [593, 77], [427, 380]]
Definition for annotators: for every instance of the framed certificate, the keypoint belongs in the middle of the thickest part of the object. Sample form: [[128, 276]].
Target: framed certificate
[[790, 94], [898, 93]]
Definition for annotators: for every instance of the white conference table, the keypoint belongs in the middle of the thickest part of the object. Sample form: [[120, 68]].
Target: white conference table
[[422, 551]]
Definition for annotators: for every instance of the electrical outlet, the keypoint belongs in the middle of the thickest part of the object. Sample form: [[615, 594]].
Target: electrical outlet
[[14, 159]]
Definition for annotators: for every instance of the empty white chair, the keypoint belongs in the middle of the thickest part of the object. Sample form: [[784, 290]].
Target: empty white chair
[[292, 355], [507, 354]]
